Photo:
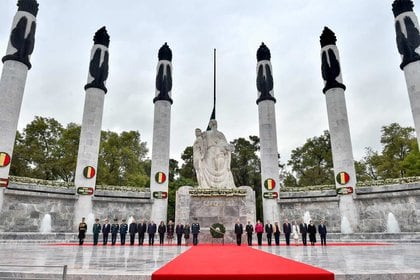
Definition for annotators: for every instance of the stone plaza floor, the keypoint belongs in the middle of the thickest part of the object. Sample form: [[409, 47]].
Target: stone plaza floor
[[46, 261]]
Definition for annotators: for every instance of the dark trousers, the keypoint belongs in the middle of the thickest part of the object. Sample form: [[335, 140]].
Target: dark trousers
[[287, 237], [304, 238], [238, 239], [95, 238], [323, 239], [178, 239], [141, 238], [80, 241], [259, 237], [113, 238], [277, 238], [161, 238], [132, 238], [122, 237], [249, 238], [195, 238], [269, 239], [151, 239], [105, 238]]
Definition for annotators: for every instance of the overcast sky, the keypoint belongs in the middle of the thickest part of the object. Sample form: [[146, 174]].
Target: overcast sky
[[376, 93]]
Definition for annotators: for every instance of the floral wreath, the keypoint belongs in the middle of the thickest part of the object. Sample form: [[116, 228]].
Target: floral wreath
[[217, 230]]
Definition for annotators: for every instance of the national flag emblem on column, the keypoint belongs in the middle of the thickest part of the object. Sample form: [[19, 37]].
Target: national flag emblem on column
[[270, 184], [4, 182], [4, 159], [160, 177], [89, 172], [343, 178]]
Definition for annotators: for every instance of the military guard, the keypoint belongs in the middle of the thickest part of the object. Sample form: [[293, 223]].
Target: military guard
[[115, 227], [195, 230], [96, 230], [123, 231], [82, 231], [249, 228]]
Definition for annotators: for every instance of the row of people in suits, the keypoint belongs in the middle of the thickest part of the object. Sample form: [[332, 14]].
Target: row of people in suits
[[289, 230]]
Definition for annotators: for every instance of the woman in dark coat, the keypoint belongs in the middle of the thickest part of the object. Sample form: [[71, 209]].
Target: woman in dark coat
[[312, 233], [161, 231]]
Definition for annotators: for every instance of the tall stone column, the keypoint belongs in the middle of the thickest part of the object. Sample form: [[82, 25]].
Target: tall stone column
[[161, 135], [268, 136], [90, 135], [408, 41], [342, 153], [12, 82]]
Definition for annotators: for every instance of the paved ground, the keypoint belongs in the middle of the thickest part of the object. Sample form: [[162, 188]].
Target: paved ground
[[397, 261]]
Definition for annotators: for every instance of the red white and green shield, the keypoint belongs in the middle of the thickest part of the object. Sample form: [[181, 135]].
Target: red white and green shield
[[4, 182], [89, 172], [270, 184], [160, 177], [85, 190], [271, 195], [160, 195], [343, 178], [4, 159]]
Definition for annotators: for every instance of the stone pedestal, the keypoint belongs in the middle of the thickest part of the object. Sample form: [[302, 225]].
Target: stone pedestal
[[211, 206]]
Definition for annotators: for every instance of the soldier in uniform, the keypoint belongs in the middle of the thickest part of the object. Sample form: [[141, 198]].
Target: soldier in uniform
[[238, 232], [269, 232], [249, 230], [141, 228], [96, 230], [82, 231], [115, 227], [195, 230], [151, 231], [179, 230], [123, 231], [132, 229], [106, 228]]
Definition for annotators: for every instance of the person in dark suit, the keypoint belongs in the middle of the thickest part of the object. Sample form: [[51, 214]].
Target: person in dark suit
[[179, 230], [277, 233], [249, 230], [303, 228], [161, 231], [115, 227], [82, 231], [322, 229], [195, 230], [312, 233], [151, 231], [132, 230], [187, 230], [141, 228], [269, 232], [96, 230], [287, 230], [123, 231], [239, 230], [106, 229]]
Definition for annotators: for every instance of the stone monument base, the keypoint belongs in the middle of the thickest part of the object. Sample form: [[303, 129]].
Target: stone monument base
[[210, 206]]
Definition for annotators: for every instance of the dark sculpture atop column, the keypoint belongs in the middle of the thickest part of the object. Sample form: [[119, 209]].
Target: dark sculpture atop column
[[98, 67], [264, 75], [164, 75], [407, 33], [330, 64], [23, 43]]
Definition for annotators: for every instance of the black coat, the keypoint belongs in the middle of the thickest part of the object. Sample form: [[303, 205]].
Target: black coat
[[311, 229], [151, 228], [239, 229], [179, 229], [162, 229], [142, 228], [132, 229], [322, 229], [195, 228], [269, 228], [106, 228], [303, 228], [249, 229], [287, 228]]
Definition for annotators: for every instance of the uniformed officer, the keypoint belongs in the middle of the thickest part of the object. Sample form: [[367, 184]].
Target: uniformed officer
[[82, 231], [96, 230], [195, 230], [115, 227], [123, 231], [249, 230]]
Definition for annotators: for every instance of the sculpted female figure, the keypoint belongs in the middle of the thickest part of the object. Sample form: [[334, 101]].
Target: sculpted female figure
[[212, 155]]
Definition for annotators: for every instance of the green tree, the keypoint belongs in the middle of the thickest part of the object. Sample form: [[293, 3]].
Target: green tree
[[312, 163], [67, 152]]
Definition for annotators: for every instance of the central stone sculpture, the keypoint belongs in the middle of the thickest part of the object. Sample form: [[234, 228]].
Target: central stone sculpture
[[212, 157]]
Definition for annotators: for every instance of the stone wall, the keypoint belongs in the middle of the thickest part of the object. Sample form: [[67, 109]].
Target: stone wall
[[373, 203], [25, 205]]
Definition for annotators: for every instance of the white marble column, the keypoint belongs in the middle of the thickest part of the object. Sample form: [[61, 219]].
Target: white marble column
[[408, 42], [161, 136], [12, 82], [342, 153], [90, 135], [268, 136]]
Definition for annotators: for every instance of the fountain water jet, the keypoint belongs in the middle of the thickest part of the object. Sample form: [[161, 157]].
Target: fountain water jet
[[45, 224], [345, 225], [392, 225], [306, 217]]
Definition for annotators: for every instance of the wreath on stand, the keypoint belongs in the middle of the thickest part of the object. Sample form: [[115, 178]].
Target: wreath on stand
[[217, 230]]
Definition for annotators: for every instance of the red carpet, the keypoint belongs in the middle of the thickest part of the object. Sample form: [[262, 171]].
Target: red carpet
[[236, 262]]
